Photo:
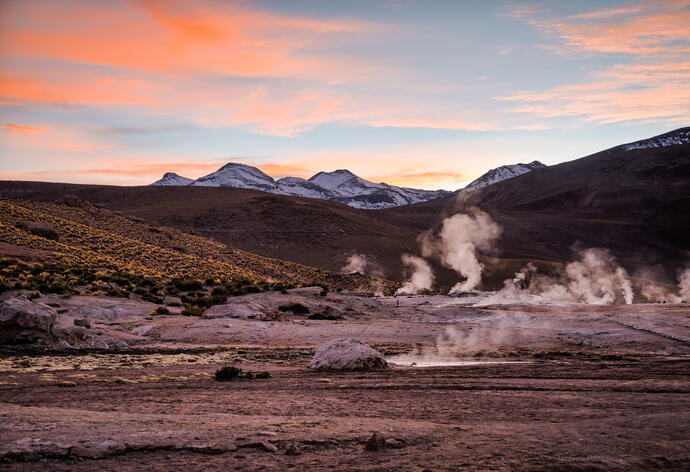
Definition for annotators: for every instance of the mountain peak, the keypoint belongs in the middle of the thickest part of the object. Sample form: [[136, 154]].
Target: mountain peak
[[503, 173], [234, 174], [172, 179]]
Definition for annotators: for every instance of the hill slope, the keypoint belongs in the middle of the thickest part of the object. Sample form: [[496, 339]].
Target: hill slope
[[76, 234]]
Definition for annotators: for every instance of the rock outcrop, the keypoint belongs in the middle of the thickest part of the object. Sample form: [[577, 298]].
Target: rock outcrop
[[347, 354], [24, 321]]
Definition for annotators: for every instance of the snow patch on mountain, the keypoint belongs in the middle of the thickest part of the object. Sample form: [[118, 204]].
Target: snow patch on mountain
[[172, 179], [503, 173], [679, 136]]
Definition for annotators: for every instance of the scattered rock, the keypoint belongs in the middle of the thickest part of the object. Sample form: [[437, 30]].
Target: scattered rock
[[121, 345], [266, 433], [170, 300], [24, 321], [394, 443], [268, 447], [82, 322], [347, 354], [96, 450], [376, 442], [42, 229], [66, 383], [292, 449], [100, 345], [63, 345]]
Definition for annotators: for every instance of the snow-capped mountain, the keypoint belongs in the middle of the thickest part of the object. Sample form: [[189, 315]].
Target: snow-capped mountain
[[673, 138], [503, 173], [237, 175], [171, 178], [340, 186]]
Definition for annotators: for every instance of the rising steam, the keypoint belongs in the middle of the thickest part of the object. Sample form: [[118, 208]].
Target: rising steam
[[355, 263], [422, 276], [594, 279], [684, 284], [460, 238]]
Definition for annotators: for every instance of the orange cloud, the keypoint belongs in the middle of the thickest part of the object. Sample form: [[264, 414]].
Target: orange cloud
[[654, 87], [642, 29], [16, 129], [138, 168], [182, 38], [420, 179], [87, 90], [177, 58]]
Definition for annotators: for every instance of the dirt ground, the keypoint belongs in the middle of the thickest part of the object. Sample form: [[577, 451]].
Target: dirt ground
[[533, 388]]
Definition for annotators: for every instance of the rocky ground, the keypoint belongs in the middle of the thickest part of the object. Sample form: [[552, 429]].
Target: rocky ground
[[511, 387]]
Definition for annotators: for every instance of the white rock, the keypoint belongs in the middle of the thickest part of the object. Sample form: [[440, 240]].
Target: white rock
[[347, 354]]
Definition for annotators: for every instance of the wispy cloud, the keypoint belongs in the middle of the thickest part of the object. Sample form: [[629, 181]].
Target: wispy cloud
[[650, 82]]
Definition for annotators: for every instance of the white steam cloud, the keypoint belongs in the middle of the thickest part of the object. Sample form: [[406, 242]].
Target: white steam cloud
[[460, 238], [422, 276], [594, 279], [684, 284], [355, 263]]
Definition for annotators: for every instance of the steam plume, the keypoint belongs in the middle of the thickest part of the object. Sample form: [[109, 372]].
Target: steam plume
[[460, 237], [594, 279], [422, 275], [355, 263], [684, 284]]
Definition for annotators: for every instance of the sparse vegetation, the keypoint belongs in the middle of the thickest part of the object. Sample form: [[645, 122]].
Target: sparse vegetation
[[231, 372], [100, 252], [294, 308]]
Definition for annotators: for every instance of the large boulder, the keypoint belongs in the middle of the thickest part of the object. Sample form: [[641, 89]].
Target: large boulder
[[347, 354], [39, 228], [24, 321]]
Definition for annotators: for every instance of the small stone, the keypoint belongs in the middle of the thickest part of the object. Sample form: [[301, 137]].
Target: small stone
[[82, 322], [170, 300], [266, 433], [100, 345], [121, 345], [268, 447], [292, 450], [394, 443], [324, 380], [63, 345], [376, 442], [66, 383]]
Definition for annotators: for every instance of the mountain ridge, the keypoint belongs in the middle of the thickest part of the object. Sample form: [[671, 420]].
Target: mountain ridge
[[340, 186]]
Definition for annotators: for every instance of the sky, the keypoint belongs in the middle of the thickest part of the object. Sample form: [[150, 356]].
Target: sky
[[427, 94]]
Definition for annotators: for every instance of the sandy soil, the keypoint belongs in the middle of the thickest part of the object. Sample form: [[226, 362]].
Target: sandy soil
[[533, 388]]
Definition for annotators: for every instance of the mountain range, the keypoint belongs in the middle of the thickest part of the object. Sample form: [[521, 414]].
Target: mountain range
[[340, 186]]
